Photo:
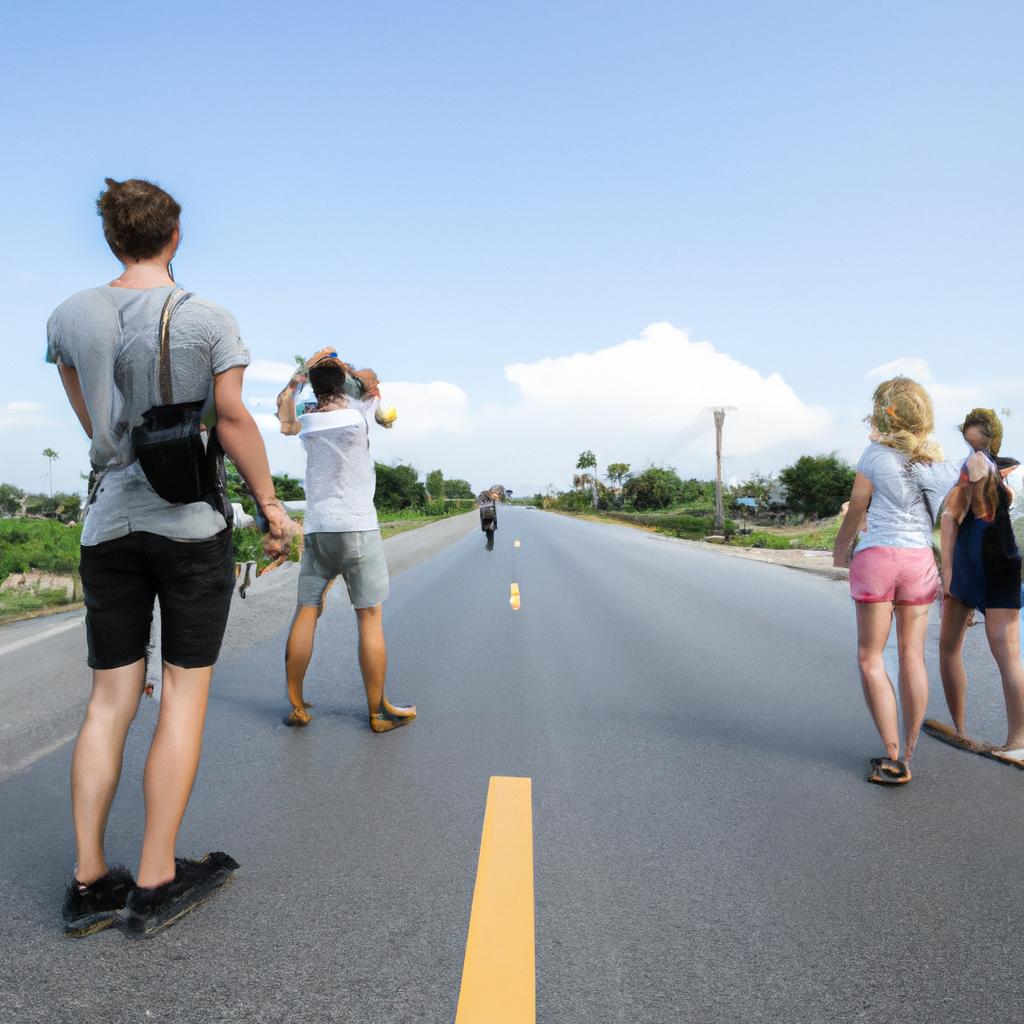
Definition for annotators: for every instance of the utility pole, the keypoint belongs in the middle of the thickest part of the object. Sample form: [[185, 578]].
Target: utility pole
[[719, 508], [719, 412]]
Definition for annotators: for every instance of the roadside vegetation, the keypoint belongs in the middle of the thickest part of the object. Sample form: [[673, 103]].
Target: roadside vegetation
[[41, 533], [797, 509], [40, 545], [403, 502]]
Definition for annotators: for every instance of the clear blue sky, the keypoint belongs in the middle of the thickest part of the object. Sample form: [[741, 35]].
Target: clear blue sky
[[443, 189]]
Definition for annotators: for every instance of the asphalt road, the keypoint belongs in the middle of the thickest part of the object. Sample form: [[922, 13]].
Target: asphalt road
[[706, 848]]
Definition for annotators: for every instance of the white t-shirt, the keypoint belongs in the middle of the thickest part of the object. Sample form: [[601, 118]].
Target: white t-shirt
[[340, 478]]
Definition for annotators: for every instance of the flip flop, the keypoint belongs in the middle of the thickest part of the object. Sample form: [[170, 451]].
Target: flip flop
[[887, 772], [887, 765]]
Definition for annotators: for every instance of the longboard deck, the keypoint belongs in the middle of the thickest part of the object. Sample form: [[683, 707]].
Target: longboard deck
[[945, 733]]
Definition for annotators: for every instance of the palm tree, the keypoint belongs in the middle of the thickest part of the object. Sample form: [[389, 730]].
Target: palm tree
[[49, 453], [588, 460]]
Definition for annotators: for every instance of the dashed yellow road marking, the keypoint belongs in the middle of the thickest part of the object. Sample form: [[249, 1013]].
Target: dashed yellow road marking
[[514, 598], [499, 984]]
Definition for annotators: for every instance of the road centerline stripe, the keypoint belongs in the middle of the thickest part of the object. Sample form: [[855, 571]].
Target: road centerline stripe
[[499, 984]]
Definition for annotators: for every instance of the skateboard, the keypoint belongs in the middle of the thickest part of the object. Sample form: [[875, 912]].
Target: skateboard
[[942, 731]]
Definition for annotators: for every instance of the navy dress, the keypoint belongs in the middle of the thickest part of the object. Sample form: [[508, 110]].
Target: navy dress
[[986, 560]]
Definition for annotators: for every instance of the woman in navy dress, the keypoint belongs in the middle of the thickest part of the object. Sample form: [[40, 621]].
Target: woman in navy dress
[[982, 570]]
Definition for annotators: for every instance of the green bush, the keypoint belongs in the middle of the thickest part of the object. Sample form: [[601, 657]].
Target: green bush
[[42, 544], [655, 487], [574, 501], [398, 488], [817, 485], [10, 499]]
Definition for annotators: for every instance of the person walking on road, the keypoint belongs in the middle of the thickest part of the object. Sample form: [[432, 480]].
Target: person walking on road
[[488, 516], [981, 569], [342, 535], [121, 349], [893, 572]]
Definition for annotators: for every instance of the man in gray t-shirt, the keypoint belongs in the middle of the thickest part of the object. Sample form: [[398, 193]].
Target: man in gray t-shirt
[[107, 335], [138, 548]]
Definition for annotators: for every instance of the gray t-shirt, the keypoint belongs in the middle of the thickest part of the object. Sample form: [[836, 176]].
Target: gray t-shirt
[[905, 498], [111, 336], [340, 476]]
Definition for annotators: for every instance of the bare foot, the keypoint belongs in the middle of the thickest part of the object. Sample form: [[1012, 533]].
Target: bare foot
[[298, 717]]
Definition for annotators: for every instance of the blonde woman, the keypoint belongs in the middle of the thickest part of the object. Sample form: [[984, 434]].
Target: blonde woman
[[893, 572]]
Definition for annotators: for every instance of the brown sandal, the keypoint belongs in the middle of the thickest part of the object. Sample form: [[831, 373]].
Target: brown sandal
[[887, 772]]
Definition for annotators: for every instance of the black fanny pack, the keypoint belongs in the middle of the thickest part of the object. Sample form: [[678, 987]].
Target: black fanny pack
[[180, 465]]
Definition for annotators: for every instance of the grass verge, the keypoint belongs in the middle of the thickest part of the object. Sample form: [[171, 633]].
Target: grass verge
[[813, 537], [15, 606]]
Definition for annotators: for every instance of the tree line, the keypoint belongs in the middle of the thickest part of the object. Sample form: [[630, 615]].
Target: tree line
[[814, 486]]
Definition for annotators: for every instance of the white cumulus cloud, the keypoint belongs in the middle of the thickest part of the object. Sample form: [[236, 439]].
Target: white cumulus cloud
[[22, 415], [644, 400], [654, 394]]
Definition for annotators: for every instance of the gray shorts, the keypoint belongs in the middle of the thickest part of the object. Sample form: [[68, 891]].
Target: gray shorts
[[358, 556]]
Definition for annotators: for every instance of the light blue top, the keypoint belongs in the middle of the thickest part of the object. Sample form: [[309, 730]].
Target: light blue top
[[905, 499]]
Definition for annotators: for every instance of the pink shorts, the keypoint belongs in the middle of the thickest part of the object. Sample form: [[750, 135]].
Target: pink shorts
[[899, 575]]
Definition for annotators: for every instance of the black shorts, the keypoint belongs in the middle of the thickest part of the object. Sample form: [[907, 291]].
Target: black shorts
[[193, 580]]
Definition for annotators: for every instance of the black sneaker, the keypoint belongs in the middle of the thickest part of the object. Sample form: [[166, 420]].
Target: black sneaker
[[93, 907], [149, 911]]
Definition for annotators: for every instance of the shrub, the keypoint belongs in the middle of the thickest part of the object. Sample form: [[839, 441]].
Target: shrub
[[10, 499], [573, 501], [42, 544], [817, 485], [398, 487], [655, 487]]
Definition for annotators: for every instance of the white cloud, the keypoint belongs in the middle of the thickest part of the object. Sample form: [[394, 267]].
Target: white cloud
[[906, 366], [23, 415], [654, 394], [640, 401], [424, 409], [268, 371]]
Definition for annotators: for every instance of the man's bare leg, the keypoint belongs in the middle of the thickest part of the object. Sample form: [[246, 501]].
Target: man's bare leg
[[373, 654], [96, 763], [373, 662], [955, 619], [297, 655], [1002, 625], [171, 767]]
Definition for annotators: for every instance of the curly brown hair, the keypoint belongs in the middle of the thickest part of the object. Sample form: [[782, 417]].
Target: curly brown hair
[[139, 218], [989, 424]]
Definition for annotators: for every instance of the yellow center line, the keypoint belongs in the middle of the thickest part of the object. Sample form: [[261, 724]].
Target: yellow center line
[[499, 984]]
